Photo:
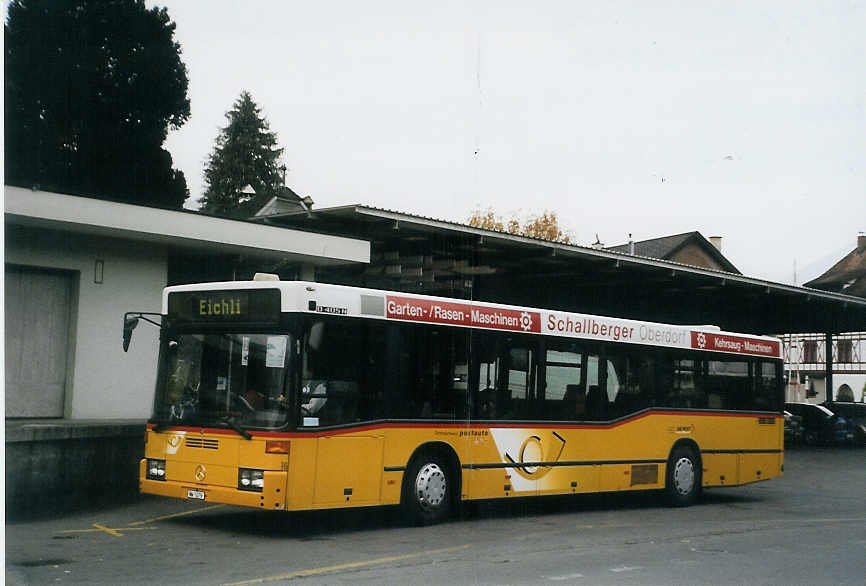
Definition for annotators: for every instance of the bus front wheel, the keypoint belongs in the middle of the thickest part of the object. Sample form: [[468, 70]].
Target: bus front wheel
[[427, 490], [683, 483]]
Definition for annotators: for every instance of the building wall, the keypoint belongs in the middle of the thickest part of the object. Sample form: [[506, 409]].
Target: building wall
[[695, 256], [54, 468], [103, 382]]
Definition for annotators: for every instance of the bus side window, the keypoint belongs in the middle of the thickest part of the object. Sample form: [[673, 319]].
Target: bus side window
[[630, 382], [767, 387], [487, 371], [334, 370], [727, 385], [457, 387], [564, 393], [450, 394], [682, 384], [424, 371], [427, 374], [503, 381], [596, 389], [514, 399], [616, 376], [372, 373]]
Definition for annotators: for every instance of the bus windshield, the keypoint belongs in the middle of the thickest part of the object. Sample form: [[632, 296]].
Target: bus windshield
[[224, 378]]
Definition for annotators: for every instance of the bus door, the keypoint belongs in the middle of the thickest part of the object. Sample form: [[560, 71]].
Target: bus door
[[572, 385], [508, 458], [335, 383], [348, 470]]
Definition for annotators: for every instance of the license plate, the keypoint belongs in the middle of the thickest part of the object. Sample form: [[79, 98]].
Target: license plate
[[195, 494]]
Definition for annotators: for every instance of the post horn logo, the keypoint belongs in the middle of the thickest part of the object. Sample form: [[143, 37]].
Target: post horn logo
[[533, 461], [174, 441], [200, 472]]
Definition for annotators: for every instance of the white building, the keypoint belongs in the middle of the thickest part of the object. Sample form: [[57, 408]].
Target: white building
[[73, 266]]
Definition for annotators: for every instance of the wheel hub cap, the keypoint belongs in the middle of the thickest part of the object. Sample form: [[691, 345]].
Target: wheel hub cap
[[430, 486], [684, 476]]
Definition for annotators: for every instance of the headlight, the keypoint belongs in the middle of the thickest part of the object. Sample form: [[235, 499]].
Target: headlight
[[251, 479], [155, 469]]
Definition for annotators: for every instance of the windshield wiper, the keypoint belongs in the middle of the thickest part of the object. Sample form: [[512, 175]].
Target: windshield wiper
[[231, 422]]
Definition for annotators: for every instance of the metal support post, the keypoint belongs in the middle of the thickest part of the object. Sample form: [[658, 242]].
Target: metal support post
[[828, 360]]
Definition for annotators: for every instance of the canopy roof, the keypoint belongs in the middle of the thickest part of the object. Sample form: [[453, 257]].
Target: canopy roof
[[177, 228], [425, 255]]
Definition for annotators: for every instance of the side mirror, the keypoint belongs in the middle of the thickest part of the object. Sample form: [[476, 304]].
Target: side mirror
[[129, 324]]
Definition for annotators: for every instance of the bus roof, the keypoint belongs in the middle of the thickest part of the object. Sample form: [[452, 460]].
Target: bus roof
[[322, 298]]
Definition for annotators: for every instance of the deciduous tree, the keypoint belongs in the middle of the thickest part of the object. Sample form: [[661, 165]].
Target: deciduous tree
[[545, 225], [91, 89], [245, 153]]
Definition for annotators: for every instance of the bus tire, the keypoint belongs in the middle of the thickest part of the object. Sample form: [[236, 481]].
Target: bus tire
[[683, 476], [428, 489]]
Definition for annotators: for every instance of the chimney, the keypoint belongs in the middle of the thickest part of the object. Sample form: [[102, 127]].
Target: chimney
[[861, 240], [717, 242], [630, 245]]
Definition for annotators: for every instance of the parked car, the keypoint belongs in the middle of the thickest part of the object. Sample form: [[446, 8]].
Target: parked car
[[820, 425], [793, 429], [855, 415]]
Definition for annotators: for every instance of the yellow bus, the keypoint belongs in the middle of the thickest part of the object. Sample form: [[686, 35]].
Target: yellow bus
[[295, 396]]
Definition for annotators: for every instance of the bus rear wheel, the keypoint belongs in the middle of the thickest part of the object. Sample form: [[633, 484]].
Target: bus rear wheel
[[683, 482], [427, 490]]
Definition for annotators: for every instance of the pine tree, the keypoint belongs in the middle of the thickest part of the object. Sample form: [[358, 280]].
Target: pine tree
[[245, 153]]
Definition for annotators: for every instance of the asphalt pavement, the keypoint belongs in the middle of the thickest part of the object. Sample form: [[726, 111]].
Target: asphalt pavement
[[808, 527]]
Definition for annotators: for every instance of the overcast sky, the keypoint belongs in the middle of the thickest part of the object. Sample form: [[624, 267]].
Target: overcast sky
[[739, 119]]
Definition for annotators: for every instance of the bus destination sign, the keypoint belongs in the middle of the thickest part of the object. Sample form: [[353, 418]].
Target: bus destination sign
[[238, 306]]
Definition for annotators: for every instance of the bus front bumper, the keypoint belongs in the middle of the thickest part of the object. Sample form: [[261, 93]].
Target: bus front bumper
[[272, 497]]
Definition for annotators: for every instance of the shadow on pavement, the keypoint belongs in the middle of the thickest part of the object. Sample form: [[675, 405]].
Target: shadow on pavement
[[60, 506], [327, 525]]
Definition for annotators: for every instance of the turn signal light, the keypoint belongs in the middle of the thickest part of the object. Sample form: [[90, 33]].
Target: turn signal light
[[277, 447]]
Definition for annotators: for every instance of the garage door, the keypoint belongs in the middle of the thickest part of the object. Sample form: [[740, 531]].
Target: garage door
[[38, 308]]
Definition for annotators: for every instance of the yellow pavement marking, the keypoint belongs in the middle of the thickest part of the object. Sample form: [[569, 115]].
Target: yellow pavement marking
[[109, 531], [106, 529], [172, 516], [116, 531], [348, 566], [819, 520]]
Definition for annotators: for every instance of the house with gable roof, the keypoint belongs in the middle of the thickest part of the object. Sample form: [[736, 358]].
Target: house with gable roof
[[847, 276], [689, 248], [806, 353]]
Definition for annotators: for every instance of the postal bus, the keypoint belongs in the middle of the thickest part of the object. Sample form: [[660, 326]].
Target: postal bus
[[296, 395]]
